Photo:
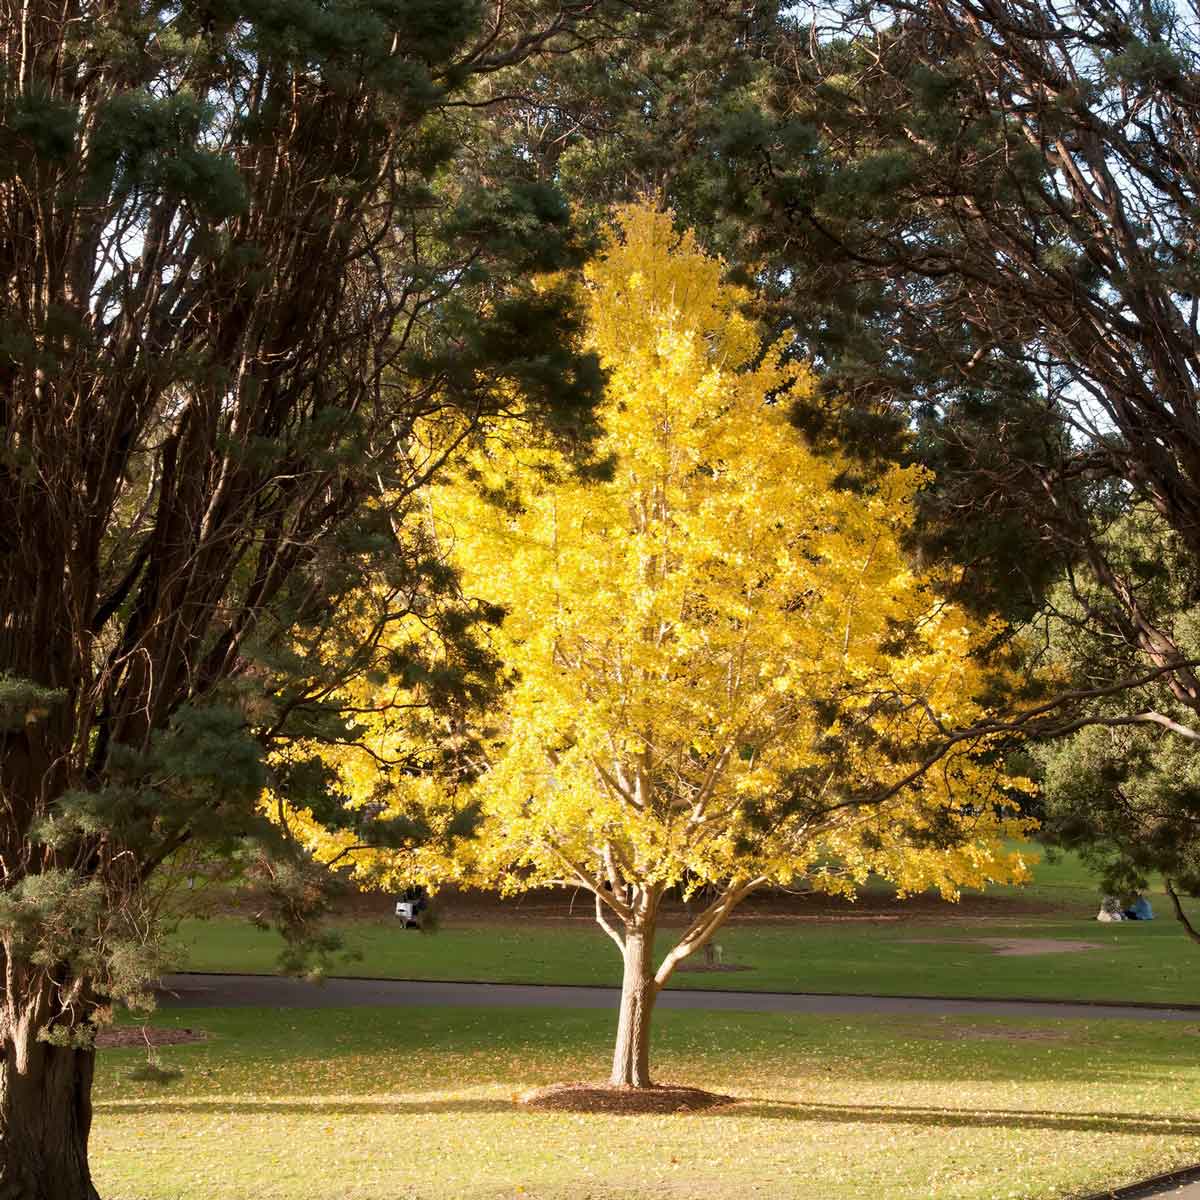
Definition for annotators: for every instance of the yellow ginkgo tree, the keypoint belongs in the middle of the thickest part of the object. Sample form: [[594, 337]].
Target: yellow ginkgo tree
[[728, 675]]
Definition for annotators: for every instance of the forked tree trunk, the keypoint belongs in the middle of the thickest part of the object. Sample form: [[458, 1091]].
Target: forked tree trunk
[[45, 1117], [640, 983], [631, 1059]]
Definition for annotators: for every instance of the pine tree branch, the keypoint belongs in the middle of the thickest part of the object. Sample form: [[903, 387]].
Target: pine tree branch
[[1180, 915]]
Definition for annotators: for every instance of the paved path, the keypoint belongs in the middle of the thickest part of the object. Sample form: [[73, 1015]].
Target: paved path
[[269, 991], [1157, 1190]]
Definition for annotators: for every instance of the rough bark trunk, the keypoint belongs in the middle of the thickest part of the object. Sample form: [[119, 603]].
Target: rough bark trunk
[[45, 1118], [631, 1058]]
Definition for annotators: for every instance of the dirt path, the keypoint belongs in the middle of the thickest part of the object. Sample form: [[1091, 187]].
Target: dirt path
[[269, 991]]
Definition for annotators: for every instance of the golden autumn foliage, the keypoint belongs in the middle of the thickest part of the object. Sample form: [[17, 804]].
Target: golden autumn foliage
[[394, 776], [722, 657], [720, 654], [726, 673]]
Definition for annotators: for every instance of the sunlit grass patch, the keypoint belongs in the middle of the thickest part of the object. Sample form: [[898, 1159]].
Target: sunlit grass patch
[[374, 1104]]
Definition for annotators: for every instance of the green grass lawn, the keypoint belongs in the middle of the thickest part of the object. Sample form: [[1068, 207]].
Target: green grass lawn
[[371, 1104], [1135, 961], [1056, 876]]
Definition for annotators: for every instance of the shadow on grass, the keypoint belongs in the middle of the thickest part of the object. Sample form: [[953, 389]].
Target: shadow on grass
[[848, 1114], [964, 1118]]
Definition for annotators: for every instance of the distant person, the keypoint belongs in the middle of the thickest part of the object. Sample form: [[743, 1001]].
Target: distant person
[[1140, 910], [413, 901], [1110, 910]]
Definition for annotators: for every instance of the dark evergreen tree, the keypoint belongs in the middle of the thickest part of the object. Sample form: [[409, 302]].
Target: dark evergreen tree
[[248, 306], [1123, 787], [994, 203]]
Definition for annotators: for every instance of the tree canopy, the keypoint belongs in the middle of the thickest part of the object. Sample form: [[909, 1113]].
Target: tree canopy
[[976, 219], [726, 673]]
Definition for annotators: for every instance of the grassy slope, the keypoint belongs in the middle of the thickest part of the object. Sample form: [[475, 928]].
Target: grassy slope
[[376, 1104], [1137, 961]]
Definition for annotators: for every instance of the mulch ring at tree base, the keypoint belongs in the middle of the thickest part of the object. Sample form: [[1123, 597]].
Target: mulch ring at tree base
[[606, 1098], [135, 1035]]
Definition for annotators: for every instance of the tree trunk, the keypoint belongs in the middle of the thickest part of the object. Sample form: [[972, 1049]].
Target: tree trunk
[[45, 1118], [631, 1059]]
